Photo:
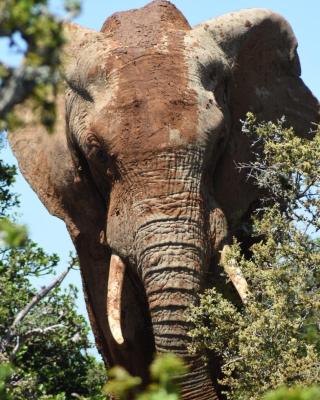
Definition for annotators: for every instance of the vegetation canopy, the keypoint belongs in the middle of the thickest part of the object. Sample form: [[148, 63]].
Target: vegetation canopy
[[34, 34], [42, 335], [273, 340]]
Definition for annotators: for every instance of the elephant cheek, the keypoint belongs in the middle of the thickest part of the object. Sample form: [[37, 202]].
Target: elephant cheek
[[120, 222], [218, 229]]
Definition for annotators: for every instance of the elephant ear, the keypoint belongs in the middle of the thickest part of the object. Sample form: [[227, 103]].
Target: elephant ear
[[265, 80], [44, 159], [46, 163]]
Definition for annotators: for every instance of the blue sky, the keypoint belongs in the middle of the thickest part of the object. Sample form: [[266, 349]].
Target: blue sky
[[50, 232]]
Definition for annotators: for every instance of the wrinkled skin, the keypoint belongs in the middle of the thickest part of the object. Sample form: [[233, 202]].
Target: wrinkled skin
[[142, 163]]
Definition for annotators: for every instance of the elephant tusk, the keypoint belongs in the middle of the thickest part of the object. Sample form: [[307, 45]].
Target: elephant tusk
[[115, 283], [235, 274]]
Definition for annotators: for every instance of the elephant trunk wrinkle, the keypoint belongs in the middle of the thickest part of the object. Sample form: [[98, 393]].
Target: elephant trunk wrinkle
[[194, 384], [171, 255]]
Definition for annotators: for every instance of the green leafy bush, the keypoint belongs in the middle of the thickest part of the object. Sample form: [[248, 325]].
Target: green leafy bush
[[36, 35], [273, 340], [5, 373], [295, 393], [45, 338]]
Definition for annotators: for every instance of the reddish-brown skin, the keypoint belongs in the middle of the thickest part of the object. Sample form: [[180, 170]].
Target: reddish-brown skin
[[148, 152], [153, 94]]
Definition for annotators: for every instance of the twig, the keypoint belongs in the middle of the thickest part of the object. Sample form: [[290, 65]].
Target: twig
[[232, 361], [37, 331], [37, 298], [15, 349], [12, 330], [42, 331]]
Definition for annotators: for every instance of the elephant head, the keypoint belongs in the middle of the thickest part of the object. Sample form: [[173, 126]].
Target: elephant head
[[141, 166]]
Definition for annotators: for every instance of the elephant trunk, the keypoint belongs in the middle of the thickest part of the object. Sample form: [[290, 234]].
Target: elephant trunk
[[171, 256]]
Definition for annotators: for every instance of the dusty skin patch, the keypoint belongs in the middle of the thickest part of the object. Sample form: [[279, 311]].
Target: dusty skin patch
[[153, 95], [175, 136]]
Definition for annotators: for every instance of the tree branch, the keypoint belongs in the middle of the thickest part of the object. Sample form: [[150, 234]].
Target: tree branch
[[12, 330], [42, 331], [37, 298], [32, 332], [19, 85]]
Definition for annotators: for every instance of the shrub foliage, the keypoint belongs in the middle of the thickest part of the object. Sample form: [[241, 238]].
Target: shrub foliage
[[43, 337], [273, 340]]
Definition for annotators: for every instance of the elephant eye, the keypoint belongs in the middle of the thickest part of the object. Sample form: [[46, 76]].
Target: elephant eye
[[102, 156], [80, 90], [95, 151], [97, 154]]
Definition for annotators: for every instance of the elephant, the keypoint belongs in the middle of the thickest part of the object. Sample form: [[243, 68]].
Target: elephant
[[142, 164]]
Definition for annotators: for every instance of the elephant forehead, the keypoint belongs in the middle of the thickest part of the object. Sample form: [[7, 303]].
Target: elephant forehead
[[152, 104], [144, 25]]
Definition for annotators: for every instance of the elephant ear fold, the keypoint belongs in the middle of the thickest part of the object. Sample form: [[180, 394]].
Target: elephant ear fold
[[48, 165], [44, 159], [262, 51], [265, 80]]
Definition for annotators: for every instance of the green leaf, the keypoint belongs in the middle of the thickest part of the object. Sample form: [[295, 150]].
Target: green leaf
[[296, 393], [120, 382]]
